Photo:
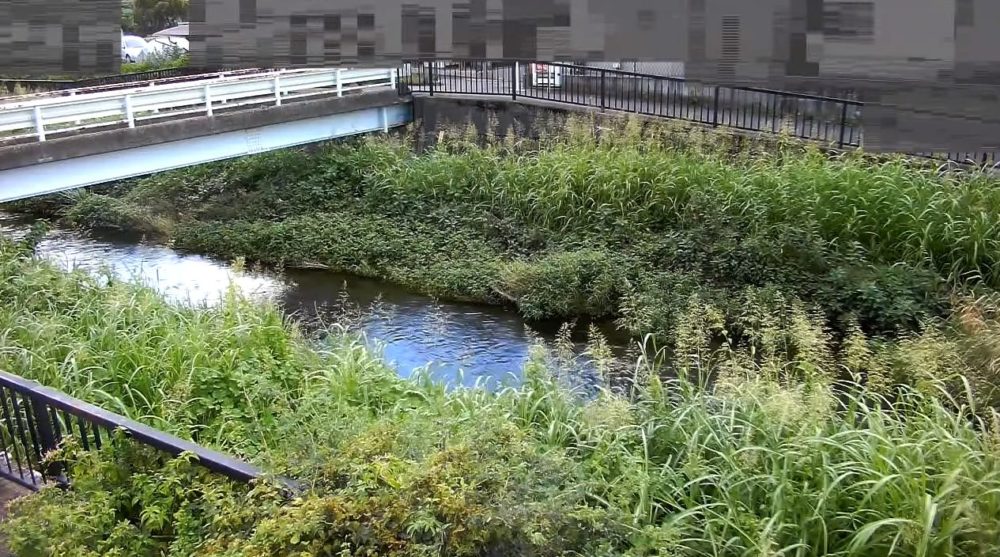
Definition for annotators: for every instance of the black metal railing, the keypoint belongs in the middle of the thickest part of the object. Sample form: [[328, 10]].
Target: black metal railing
[[35, 419], [830, 120]]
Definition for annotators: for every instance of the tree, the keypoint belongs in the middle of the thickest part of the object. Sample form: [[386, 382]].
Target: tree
[[144, 17]]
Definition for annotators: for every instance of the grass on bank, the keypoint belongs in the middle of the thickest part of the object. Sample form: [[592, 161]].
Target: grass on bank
[[627, 224], [770, 459]]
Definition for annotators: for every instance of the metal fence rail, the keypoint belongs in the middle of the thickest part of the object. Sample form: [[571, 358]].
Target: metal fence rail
[[830, 120], [35, 419], [35, 116]]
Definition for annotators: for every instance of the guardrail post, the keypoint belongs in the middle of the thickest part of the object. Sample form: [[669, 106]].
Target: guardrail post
[[392, 78], [340, 83], [277, 90], [39, 124], [715, 110], [604, 74], [430, 76], [208, 100], [75, 122], [843, 125], [129, 115]]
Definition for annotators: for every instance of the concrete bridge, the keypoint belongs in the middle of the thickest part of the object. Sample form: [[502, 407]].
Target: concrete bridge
[[71, 139]]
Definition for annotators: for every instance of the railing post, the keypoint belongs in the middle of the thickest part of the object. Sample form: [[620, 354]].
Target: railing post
[[392, 78], [514, 80], [843, 125], [129, 114], [340, 83], [46, 438], [517, 78], [715, 110], [604, 73], [430, 76], [39, 124], [208, 100], [277, 89]]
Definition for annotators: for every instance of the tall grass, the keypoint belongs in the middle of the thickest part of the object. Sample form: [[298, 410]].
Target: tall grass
[[893, 209], [781, 441]]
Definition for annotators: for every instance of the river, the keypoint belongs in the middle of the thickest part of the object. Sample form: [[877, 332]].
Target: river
[[459, 343]]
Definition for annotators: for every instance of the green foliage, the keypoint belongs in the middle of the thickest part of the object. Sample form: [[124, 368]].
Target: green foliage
[[145, 17], [166, 61], [770, 457], [564, 284], [500, 222]]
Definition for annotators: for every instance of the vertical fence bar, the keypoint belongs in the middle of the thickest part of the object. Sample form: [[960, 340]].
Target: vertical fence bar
[[12, 430], [46, 437], [84, 437], [340, 82], [277, 90], [430, 76], [517, 78], [843, 125], [392, 79], [28, 434], [715, 110], [603, 102]]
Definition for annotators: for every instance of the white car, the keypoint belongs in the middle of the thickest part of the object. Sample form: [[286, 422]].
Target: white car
[[132, 47], [164, 47]]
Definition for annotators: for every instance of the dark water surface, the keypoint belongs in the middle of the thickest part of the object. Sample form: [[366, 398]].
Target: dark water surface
[[460, 343]]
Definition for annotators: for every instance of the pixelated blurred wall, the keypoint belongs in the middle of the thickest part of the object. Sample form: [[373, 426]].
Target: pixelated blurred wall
[[732, 40], [313, 32], [48, 38]]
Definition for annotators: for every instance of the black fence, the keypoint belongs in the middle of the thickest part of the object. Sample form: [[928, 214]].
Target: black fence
[[35, 419], [830, 120]]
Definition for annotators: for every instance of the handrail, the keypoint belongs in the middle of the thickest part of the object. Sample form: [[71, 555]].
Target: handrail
[[829, 120], [35, 117], [34, 420]]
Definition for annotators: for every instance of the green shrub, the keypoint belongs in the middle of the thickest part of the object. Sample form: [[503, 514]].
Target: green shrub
[[565, 284]]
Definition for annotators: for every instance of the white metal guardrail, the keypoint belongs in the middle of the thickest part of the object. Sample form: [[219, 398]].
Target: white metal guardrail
[[35, 117]]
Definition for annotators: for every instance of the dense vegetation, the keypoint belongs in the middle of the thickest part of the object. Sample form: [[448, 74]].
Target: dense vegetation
[[819, 374], [626, 227], [768, 460]]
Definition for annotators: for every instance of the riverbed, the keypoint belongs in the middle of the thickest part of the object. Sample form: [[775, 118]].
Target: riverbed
[[458, 343]]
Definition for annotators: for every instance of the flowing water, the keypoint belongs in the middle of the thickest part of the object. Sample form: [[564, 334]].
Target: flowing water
[[459, 343]]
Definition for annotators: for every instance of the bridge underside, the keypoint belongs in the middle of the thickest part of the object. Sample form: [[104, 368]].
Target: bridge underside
[[26, 171]]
